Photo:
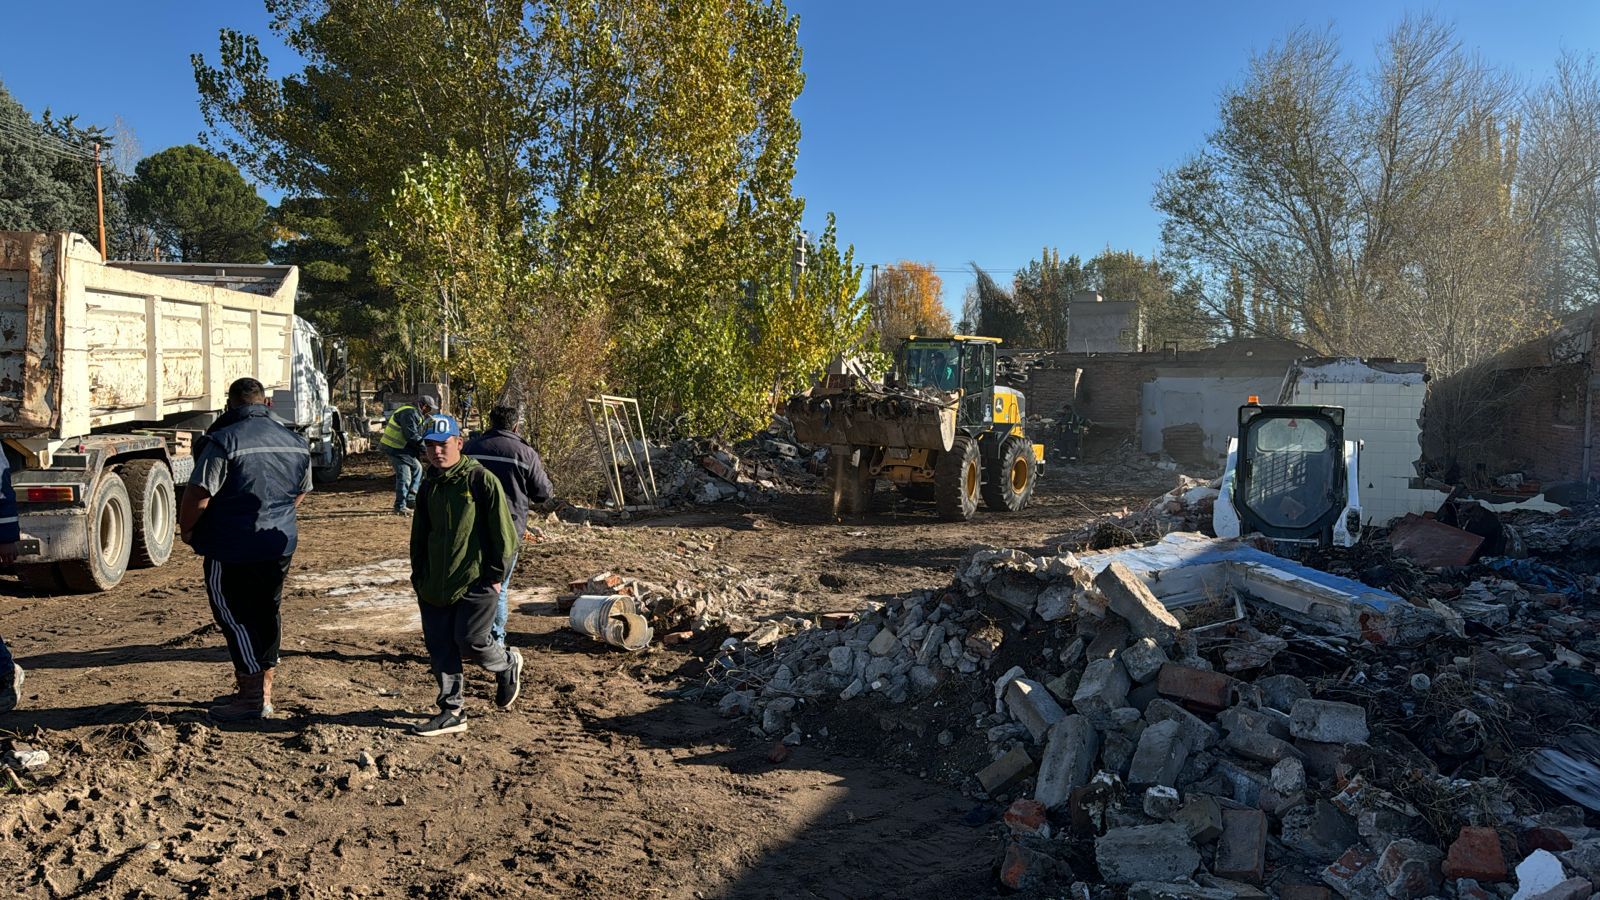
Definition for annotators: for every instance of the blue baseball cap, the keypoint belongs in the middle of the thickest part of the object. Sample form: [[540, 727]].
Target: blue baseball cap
[[441, 427]]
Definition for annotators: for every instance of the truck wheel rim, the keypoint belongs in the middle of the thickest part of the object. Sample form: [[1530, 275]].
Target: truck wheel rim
[[111, 536], [160, 512]]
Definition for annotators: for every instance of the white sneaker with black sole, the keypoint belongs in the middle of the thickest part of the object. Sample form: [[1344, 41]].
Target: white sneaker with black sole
[[443, 723], [509, 682]]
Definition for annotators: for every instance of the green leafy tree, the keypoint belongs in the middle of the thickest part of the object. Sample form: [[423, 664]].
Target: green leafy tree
[[1042, 291], [47, 177], [198, 207]]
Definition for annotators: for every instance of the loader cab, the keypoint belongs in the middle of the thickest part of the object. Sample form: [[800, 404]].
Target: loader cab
[[950, 365]]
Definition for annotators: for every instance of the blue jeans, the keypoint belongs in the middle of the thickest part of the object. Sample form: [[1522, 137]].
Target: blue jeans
[[407, 477], [498, 630]]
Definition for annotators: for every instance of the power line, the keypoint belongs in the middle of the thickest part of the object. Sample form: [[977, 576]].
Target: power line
[[38, 138]]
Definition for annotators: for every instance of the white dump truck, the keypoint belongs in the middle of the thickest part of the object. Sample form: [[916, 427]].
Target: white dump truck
[[109, 371]]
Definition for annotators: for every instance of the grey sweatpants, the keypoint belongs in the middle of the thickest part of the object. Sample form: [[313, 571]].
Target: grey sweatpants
[[460, 632]]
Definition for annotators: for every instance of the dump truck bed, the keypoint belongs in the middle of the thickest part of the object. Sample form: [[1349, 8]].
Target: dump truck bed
[[86, 345]]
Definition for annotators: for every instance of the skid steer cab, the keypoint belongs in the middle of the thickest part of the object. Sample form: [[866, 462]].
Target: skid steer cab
[[939, 428], [1291, 477]]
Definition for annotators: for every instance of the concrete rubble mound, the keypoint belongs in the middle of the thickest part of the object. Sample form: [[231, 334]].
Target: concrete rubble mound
[[1193, 717]]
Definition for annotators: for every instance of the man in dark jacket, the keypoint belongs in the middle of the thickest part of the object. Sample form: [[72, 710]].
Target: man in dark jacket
[[401, 441], [508, 457], [461, 547], [239, 513], [10, 533]]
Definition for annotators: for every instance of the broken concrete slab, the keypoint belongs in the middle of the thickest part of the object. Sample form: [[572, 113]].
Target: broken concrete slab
[[1102, 689], [1145, 853], [1128, 596], [1031, 704], [1068, 760], [1328, 722], [1160, 755], [1005, 772], [1143, 659]]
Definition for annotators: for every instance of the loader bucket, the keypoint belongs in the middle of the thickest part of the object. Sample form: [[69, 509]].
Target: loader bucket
[[868, 420]]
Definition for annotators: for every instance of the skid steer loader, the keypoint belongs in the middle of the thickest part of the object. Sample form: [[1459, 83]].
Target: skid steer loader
[[939, 428]]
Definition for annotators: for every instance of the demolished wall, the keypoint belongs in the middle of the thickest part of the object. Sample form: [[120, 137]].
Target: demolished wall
[[1530, 410], [1139, 396]]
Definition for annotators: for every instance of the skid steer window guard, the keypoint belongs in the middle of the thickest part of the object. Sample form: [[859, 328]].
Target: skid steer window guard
[[1291, 471]]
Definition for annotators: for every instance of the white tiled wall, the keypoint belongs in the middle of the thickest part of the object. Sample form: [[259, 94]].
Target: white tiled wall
[[1384, 416]]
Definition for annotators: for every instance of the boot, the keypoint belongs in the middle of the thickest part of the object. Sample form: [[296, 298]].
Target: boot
[[249, 705], [230, 697]]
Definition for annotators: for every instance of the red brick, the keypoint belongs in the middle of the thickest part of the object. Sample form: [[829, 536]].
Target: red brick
[[1028, 817], [1476, 854], [1196, 689], [1024, 869], [1544, 838], [1242, 849]]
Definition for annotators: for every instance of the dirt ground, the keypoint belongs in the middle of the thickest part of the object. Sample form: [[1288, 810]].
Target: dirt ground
[[599, 782]]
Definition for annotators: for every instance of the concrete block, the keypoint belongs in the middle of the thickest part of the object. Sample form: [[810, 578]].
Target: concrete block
[[1242, 848], [1024, 869], [1281, 691], [1143, 659], [1127, 596], [1103, 688], [1200, 735], [1161, 801], [1160, 755], [1328, 721], [1318, 831], [1005, 771], [1409, 870], [1163, 890], [1068, 760], [1031, 704], [883, 643], [1354, 875], [1201, 815], [1145, 853]]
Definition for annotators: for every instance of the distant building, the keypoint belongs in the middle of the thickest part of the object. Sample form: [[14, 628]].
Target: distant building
[[1098, 325]]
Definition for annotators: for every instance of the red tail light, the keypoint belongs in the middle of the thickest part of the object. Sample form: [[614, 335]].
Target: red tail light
[[60, 493]]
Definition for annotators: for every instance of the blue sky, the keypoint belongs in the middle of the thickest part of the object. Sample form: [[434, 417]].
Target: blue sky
[[939, 131]]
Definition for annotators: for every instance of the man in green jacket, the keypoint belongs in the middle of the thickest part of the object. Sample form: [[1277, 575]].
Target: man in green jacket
[[462, 541]]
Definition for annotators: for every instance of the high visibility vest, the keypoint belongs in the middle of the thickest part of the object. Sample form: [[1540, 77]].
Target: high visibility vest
[[392, 435]]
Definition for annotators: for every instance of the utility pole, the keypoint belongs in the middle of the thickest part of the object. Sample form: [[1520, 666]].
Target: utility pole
[[877, 315], [99, 198]]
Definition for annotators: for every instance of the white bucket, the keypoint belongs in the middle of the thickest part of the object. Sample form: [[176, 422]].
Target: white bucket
[[616, 620]]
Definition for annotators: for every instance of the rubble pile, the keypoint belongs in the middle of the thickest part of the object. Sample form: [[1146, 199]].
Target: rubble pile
[[1187, 507], [1222, 742], [698, 471]]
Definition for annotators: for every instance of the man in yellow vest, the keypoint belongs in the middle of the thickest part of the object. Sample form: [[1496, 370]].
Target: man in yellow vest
[[402, 443]]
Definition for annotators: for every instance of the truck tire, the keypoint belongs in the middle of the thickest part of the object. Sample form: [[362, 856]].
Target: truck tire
[[957, 478], [1008, 479], [110, 524], [155, 511], [329, 473]]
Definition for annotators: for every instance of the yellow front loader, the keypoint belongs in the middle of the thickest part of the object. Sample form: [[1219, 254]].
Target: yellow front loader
[[939, 428]]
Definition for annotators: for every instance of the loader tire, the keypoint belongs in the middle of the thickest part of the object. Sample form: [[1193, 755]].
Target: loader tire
[[1008, 479], [155, 512], [110, 539], [957, 480]]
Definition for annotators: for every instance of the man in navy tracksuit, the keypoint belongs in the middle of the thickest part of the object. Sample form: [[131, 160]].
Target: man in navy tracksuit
[[508, 457], [238, 512], [10, 533]]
